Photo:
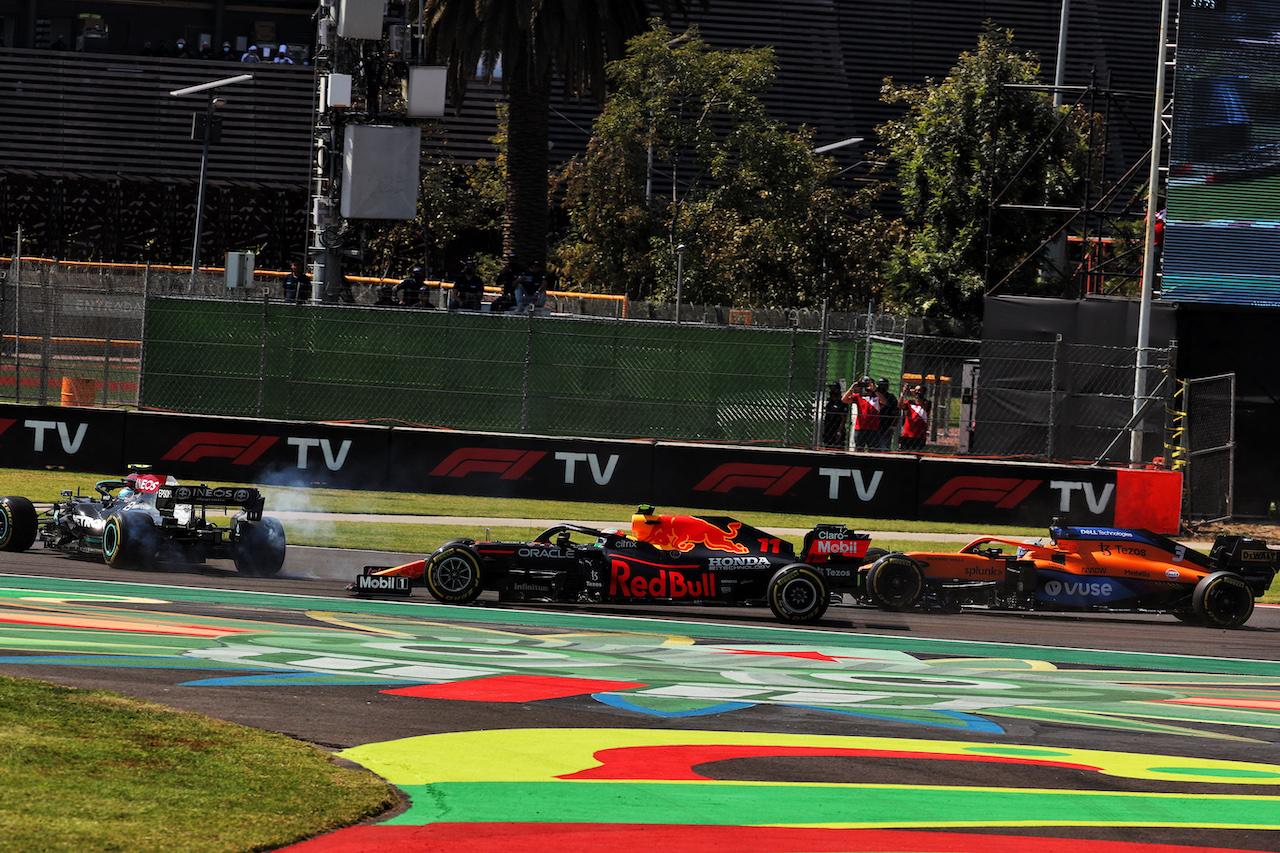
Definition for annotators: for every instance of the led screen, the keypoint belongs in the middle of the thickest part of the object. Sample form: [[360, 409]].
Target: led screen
[[1222, 231]]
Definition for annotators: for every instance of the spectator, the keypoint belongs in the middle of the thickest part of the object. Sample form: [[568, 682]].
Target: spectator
[[226, 54], [252, 54], [507, 279], [407, 290], [888, 413], [386, 296], [531, 294], [282, 56], [424, 298], [161, 48], [148, 49], [915, 420], [297, 284], [468, 289], [206, 50], [835, 419], [866, 418], [180, 50]]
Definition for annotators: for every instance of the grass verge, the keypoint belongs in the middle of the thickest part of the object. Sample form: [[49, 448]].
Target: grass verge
[[93, 770]]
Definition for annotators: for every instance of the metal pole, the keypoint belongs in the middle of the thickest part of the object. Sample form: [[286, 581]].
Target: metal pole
[[1051, 445], [17, 321], [1149, 251], [204, 168], [679, 278], [1060, 67]]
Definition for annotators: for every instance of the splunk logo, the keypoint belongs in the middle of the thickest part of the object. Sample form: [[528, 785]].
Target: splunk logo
[[772, 480], [507, 464]]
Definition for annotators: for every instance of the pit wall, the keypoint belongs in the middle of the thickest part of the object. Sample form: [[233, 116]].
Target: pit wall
[[833, 484]]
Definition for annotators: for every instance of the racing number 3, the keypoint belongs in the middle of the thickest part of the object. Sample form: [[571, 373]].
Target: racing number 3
[[769, 546]]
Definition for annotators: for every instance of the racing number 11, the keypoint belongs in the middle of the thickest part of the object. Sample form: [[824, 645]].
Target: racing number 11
[[769, 546]]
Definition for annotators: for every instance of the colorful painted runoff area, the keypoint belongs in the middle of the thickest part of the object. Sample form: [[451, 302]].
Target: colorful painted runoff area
[[715, 738]]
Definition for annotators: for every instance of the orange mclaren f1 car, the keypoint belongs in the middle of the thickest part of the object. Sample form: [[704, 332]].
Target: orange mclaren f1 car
[[1081, 569]]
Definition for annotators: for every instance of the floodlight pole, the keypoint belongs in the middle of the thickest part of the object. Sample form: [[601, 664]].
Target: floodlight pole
[[1149, 249], [204, 170], [209, 87]]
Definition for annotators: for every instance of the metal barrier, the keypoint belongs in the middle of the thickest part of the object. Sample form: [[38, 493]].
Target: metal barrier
[[1208, 448], [586, 365]]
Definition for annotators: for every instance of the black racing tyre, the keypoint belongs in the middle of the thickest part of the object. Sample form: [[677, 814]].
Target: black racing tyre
[[17, 524], [798, 594], [454, 574], [260, 547], [873, 554], [1223, 600], [895, 582], [129, 541]]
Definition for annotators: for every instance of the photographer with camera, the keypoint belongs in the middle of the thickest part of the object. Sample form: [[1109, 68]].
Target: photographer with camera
[[866, 415]]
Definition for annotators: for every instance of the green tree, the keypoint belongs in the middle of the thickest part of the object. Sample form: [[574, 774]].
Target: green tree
[[457, 210], [531, 39], [747, 198], [964, 143]]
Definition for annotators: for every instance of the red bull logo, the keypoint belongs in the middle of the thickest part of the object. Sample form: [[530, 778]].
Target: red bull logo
[[682, 532], [665, 584]]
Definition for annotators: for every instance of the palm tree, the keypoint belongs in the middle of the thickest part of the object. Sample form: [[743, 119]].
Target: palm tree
[[533, 39]]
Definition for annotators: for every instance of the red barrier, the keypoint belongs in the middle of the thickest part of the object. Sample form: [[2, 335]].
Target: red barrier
[[1150, 499]]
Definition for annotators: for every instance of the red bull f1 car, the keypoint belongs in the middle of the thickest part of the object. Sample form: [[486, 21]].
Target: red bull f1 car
[[1081, 569], [146, 519], [668, 559]]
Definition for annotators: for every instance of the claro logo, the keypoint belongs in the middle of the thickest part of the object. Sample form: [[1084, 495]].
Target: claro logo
[[507, 464], [770, 479]]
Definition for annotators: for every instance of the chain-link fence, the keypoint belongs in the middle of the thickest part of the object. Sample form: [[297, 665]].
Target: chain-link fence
[[1061, 401], [1206, 447], [583, 366]]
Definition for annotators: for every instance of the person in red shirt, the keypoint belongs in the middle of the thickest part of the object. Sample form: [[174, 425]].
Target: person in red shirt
[[866, 414], [915, 420]]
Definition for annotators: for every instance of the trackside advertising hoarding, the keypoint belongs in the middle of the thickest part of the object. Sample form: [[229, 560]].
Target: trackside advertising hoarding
[[835, 485]]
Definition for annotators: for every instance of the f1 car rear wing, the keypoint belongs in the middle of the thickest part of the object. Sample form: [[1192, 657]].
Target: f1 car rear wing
[[1252, 558], [251, 500], [827, 543]]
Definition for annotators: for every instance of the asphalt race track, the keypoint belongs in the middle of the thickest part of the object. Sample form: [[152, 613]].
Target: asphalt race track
[[569, 728]]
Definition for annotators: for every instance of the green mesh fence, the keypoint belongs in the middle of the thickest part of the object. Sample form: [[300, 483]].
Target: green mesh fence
[[510, 373]]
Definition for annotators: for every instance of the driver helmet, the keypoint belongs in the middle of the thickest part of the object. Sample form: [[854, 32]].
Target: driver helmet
[[130, 487]]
